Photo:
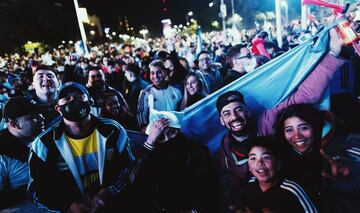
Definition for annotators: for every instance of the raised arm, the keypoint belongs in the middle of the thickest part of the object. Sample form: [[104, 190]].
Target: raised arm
[[311, 89]]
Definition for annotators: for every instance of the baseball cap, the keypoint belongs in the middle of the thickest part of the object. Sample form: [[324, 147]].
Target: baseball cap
[[71, 86], [45, 67], [229, 97], [20, 106]]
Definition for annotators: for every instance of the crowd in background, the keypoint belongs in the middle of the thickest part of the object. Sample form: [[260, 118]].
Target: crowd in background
[[125, 81]]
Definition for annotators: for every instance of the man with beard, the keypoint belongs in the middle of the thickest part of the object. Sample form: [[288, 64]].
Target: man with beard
[[97, 88], [45, 84], [232, 156], [81, 163], [235, 116]]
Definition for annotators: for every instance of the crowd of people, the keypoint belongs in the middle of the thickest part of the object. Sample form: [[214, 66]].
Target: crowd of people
[[65, 143]]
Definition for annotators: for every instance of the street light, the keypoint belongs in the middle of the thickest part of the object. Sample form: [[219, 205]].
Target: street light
[[211, 4], [223, 14], [190, 13], [144, 32], [284, 4]]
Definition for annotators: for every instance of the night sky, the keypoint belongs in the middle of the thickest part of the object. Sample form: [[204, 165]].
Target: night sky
[[149, 13], [53, 21], [145, 12]]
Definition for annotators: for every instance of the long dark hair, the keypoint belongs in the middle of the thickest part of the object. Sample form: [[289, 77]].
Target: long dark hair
[[189, 100], [305, 112]]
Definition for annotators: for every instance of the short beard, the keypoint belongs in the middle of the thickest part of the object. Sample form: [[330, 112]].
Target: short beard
[[99, 84], [243, 132]]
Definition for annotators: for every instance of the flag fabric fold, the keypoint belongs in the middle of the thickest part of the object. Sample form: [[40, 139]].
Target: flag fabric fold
[[263, 88]]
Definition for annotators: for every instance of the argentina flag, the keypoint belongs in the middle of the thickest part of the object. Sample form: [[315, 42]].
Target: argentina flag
[[264, 88]]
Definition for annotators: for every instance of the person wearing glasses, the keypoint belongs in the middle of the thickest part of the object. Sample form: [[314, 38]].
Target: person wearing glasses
[[241, 62], [81, 163], [211, 77]]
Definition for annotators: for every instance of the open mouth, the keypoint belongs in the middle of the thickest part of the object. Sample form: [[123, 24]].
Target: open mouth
[[262, 172], [47, 85], [237, 125], [300, 143]]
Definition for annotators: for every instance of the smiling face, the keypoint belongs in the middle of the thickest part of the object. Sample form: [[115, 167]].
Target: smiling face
[[234, 117], [204, 61], [45, 82], [263, 165], [96, 78], [112, 105], [192, 85], [157, 76], [299, 134]]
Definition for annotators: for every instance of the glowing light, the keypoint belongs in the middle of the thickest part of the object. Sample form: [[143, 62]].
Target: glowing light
[[190, 13], [113, 33], [211, 4], [92, 32], [83, 15], [71, 42]]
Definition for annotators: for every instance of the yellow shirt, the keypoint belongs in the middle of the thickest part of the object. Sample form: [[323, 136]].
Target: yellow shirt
[[85, 152]]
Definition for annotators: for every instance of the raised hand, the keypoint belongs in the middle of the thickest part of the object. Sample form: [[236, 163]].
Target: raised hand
[[156, 129], [338, 167]]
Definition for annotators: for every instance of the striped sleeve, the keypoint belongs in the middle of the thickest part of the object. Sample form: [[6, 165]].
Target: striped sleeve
[[142, 114], [300, 195], [121, 183]]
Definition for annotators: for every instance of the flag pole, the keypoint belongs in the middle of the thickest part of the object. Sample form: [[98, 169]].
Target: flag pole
[[81, 27], [278, 22]]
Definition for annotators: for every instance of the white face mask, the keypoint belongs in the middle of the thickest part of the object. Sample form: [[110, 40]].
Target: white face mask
[[129, 76], [251, 66]]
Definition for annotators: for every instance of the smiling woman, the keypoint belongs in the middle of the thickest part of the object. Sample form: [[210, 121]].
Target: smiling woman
[[298, 130]]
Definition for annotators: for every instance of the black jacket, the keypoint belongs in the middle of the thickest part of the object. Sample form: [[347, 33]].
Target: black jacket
[[177, 176]]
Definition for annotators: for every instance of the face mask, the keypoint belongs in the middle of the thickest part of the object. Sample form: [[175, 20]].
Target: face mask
[[129, 77], [251, 66], [75, 110]]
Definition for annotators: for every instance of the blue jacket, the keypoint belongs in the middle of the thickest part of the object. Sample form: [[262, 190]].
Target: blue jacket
[[55, 180]]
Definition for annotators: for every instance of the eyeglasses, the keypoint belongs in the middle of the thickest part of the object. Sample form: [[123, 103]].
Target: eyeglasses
[[249, 56]]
